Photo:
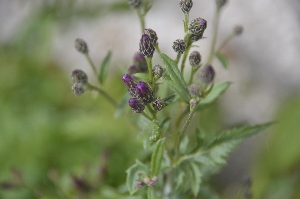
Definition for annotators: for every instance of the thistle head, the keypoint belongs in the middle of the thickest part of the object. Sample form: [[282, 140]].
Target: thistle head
[[157, 71], [158, 104], [78, 88], [195, 58], [81, 46], [78, 76], [186, 5], [179, 46], [152, 34], [130, 84], [207, 74], [144, 92], [146, 46], [136, 104], [194, 90], [197, 27], [134, 3]]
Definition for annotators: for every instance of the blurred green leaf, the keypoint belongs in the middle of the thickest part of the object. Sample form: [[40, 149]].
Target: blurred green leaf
[[157, 157], [178, 83], [170, 99], [122, 105], [223, 59], [133, 174], [104, 67], [214, 94], [151, 193], [142, 76], [195, 177]]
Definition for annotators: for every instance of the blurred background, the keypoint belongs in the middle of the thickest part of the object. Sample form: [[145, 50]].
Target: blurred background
[[50, 138]]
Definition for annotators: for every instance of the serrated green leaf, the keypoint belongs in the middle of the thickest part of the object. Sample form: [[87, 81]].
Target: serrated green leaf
[[133, 173], [223, 59], [214, 94], [143, 76], [238, 133], [157, 156], [170, 99], [179, 85], [123, 105], [104, 67]]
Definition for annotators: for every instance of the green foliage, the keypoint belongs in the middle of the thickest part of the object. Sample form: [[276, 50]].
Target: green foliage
[[104, 67], [157, 156], [134, 173], [223, 59]]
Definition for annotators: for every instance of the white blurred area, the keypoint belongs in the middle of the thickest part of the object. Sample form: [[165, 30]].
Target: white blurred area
[[264, 60]]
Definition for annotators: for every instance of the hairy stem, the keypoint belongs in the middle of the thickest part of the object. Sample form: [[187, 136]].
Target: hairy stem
[[104, 94]]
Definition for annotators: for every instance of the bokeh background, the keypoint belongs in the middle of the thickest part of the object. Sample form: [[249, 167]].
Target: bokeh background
[[49, 137]]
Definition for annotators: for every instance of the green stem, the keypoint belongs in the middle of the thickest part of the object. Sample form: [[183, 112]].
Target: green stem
[[192, 76], [142, 20], [186, 22], [178, 58], [87, 56], [229, 37], [186, 52], [104, 94], [150, 71], [214, 37], [147, 116]]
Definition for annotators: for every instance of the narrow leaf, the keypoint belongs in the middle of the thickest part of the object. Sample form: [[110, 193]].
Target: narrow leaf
[[214, 94], [223, 59], [157, 156], [150, 193], [133, 173], [172, 98], [143, 76], [104, 67], [176, 77]]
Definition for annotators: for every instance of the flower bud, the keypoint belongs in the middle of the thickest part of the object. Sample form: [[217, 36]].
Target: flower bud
[[186, 5], [139, 184], [158, 104], [157, 71], [151, 184], [179, 46], [195, 58], [146, 46], [81, 46], [78, 88], [194, 90], [238, 30], [207, 74], [193, 103], [155, 179], [135, 3], [220, 3], [130, 84], [152, 34], [78, 76], [140, 62], [144, 92], [197, 27], [132, 69], [146, 180], [136, 104]]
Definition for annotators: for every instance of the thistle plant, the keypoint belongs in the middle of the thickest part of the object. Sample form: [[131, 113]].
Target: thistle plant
[[182, 157]]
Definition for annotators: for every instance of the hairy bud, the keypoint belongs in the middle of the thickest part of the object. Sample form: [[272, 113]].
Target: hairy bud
[[130, 84], [207, 74], [152, 34], [186, 5], [136, 104], [144, 92], [194, 90], [179, 46], [81, 46], [140, 62], [133, 69], [139, 184], [78, 76], [135, 3], [157, 71], [195, 58], [158, 104], [78, 88], [197, 27], [146, 46], [238, 30]]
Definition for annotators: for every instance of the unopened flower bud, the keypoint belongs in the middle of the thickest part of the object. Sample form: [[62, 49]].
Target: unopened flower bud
[[130, 84], [135, 3], [140, 62], [79, 76], [195, 58], [197, 27], [193, 103], [158, 104], [238, 30], [157, 71], [151, 184], [220, 3], [186, 5], [194, 90], [81, 46], [144, 92], [146, 46], [179, 46], [78, 88], [139, 184], [155, 179], [136, 104], [132, 69], [146, 180], [152, 34], [207, 74]]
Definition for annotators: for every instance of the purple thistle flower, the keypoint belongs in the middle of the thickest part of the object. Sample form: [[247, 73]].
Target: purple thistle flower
[[158, 104], [144, 92], [197, 27], [136, 104], [152, 34], [146, 46], [195, 58], [207, 74], [186, 5], [81, 46], [79, 76], [179, 46], [130, 84]]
